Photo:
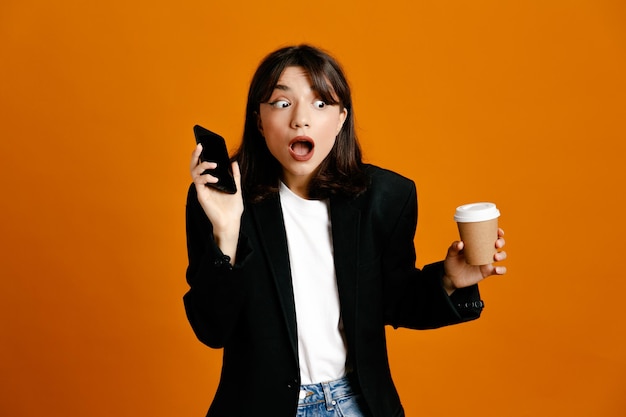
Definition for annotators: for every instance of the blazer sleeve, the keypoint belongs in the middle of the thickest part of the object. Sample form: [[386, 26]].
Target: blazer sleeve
[[216, 292], [416, 298]]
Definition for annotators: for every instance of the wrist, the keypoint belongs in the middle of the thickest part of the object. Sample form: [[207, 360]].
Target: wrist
[[448, 285], [227, 242]]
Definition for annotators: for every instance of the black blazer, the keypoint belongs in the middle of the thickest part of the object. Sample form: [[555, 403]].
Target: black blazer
[[249, 310]]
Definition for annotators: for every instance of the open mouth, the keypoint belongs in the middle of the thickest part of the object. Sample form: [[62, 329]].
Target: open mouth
[[301, 148]]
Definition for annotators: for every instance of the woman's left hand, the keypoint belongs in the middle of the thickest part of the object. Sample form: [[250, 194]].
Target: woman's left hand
[[459, 274]]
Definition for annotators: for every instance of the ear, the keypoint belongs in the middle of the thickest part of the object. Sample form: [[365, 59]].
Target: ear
[[342, 118]]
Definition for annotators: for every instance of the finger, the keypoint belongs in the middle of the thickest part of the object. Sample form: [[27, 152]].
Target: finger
[[500, 232], [202, 180], [209, 179], [199, 169], [500, 243], [500, 256], [195, 157], [455, 248], [499, 270], [236, 172]]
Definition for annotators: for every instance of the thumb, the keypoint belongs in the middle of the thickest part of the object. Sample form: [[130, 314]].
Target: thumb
[[236, 174], [455, 248]]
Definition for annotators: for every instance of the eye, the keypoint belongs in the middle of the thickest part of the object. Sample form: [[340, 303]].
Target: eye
[[280, 104], [319, 104]]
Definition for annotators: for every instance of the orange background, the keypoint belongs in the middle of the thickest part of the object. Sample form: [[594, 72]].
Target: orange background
[[520, 103]]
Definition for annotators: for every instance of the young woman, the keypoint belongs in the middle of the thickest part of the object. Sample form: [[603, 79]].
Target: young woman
[[296, 275]]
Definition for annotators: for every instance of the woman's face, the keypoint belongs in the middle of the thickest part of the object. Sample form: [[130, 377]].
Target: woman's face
[[299, 128]]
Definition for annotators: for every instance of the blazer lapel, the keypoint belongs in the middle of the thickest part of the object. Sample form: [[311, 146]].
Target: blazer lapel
[[345, 222], [271, 228]]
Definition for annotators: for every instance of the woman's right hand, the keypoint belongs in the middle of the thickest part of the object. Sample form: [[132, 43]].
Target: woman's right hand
[[223, 210]]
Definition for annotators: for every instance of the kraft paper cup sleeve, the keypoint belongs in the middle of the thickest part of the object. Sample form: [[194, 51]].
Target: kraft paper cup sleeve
[[478, 228]]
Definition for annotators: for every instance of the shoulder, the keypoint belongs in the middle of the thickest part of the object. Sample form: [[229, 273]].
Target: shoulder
[[388, 183], [390, 199], [388, 193]]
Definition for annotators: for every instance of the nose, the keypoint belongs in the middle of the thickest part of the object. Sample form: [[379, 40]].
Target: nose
[[301, 116]]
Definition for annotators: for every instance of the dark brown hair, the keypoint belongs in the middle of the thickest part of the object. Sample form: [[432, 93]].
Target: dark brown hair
[[341, 172]]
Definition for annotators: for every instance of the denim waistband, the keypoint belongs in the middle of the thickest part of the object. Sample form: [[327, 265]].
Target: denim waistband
[[327, 392]]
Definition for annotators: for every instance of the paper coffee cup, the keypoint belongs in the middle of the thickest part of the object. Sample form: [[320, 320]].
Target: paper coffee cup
[[478, 227]]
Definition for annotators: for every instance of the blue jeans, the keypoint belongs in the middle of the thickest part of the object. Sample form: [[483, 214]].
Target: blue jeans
[[338, 398]]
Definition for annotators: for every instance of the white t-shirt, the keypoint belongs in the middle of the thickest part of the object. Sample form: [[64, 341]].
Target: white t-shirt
[[322, 348]]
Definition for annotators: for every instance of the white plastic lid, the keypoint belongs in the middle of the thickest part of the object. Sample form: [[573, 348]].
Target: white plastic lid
[[476, 212]]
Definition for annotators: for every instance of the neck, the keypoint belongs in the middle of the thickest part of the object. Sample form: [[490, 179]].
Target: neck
[[298, 185]]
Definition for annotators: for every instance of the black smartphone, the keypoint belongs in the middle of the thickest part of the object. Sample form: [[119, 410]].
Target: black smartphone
[[214, 150]]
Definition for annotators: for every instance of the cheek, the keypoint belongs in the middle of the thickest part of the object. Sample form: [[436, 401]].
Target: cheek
[[272, 145], [326, 140], [273, 138], [269, 125], [331, 128]]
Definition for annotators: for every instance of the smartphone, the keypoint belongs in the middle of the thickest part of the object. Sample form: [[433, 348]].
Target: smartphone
[[214, 150]]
